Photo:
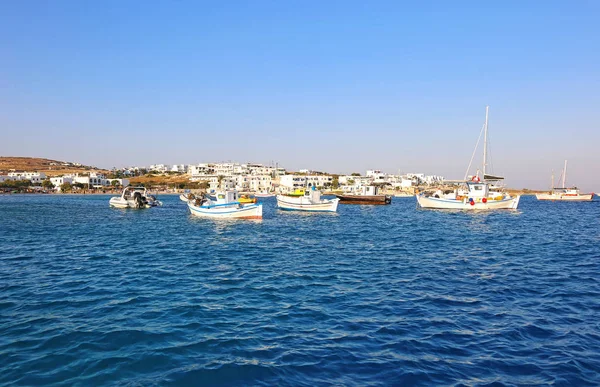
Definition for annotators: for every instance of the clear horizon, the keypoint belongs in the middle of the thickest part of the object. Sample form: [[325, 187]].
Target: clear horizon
[[341, 87]]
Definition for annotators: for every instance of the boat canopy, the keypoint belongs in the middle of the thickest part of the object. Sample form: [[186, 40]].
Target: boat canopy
[[492, 177]]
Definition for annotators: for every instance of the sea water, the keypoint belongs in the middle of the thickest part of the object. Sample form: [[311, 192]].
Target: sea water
[[371, 295]]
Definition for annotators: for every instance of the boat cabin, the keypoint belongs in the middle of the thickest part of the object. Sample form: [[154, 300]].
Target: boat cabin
[[369, 190], [566, 191], [478, 190], [226, 197]]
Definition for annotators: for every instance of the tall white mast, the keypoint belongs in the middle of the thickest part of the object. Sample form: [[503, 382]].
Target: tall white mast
[[485, 141], [565, 174]]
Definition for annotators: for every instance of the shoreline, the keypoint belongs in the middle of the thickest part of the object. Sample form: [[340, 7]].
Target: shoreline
[[520, 193]]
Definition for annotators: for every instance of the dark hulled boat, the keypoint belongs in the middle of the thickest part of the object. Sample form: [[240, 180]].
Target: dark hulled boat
[[369, 196]]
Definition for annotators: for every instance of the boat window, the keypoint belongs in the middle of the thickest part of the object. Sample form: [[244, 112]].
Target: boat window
[[478, 187]]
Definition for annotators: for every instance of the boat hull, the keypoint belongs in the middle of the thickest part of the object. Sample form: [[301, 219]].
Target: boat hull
[[566, 197], [122, 203], [303, 204], [229, 211], [365, 199], [449, 204]]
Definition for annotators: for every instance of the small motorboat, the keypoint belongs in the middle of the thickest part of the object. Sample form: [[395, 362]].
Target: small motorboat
[[245, 199], [225, 205], [301, 200], [153, 201], [134, 197]]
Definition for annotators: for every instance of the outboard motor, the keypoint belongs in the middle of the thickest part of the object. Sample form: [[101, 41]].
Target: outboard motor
[[137, 198]]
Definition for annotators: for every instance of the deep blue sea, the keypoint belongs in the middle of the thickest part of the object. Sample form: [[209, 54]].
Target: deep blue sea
[[370, 296]]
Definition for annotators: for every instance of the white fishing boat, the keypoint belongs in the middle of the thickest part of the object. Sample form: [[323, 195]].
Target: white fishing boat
[[225, 205], [403, 194], [563, 193], [133, 197], [473, 194], [186, 197], [476, 196], [307, 201], [264, 194]]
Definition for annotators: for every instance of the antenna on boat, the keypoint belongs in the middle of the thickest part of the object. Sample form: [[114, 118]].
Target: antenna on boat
[[485, 140], [474, 151]]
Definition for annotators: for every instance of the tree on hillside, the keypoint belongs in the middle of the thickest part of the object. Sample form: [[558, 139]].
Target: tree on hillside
[[355, 174], [65, 187], [335, 183], [47, 184], [19, 184]]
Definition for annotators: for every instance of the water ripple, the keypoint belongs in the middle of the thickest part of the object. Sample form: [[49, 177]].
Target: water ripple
[[370, 296]]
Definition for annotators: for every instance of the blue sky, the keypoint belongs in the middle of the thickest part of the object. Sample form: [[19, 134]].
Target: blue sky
[[340, 86]]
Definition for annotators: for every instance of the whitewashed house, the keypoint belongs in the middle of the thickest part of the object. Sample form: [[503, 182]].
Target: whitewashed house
[[258, 183], [160, 168], [321, 181], [179, 168], [200, 171], [60, 180], [34, 177], [94, 180], [289, 183]]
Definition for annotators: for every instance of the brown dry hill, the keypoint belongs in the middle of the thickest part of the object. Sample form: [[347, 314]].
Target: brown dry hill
[[36, 164], [150, 180]]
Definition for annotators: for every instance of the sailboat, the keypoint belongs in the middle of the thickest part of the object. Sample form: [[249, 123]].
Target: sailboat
[[563, 193], [476, 193]]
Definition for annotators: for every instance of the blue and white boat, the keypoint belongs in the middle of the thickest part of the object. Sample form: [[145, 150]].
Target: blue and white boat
[[308, 201], [225, 205]]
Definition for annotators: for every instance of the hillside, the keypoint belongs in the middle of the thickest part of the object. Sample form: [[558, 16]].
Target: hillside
[[36, 164]]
